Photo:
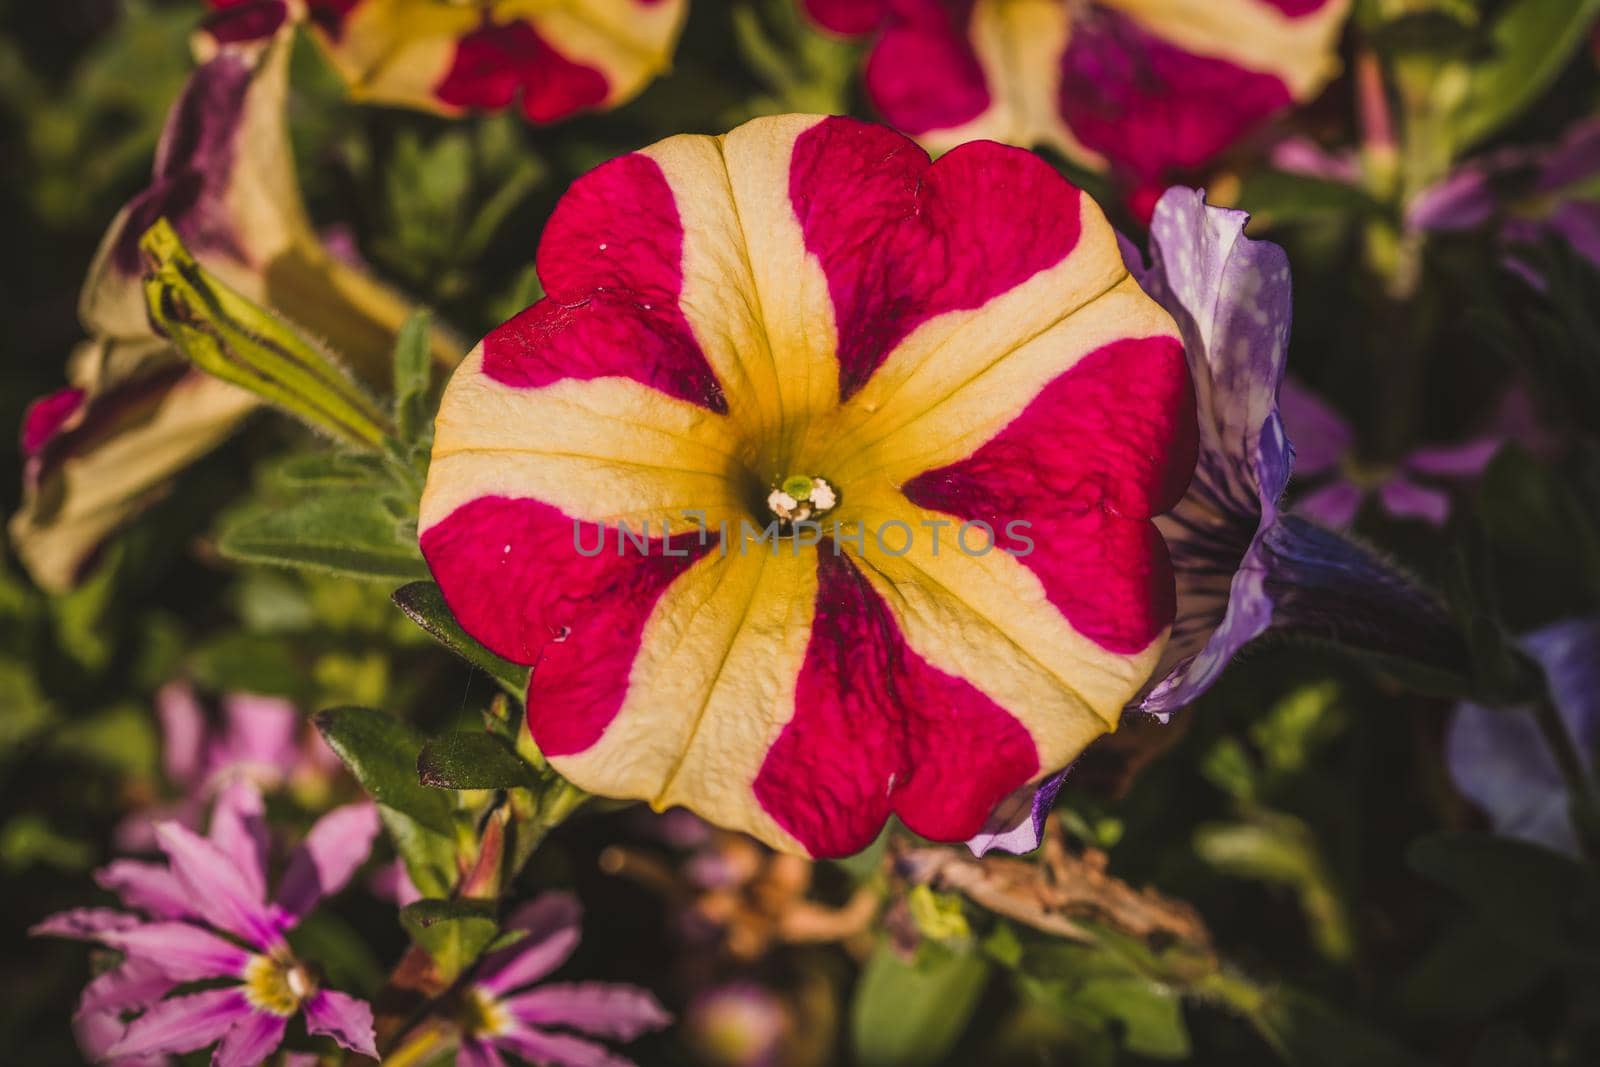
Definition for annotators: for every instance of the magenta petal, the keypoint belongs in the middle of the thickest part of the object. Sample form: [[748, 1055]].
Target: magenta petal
[[262, 734], [183, 1024], [1406, 499], [239, 830], [84, 924], [552, 923], [1321, 436], [559, 1050], [344, 1018], [475, 1053], [339, 843], [1455, 461], [130, 986], [149, 887], [251, 1042], [1334, 505], [222, 894], [183, 953], [183, 729], [598, 1008]]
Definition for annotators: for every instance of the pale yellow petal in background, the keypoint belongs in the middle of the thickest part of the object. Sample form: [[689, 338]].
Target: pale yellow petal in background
[[628, 41], [1301, 52]]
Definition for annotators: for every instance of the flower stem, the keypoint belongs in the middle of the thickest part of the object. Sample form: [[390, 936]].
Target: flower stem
[[1582, 798]]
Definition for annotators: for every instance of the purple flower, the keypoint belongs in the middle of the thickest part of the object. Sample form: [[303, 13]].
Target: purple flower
[[739, 1024], [262, 739], [1242, 566], [1324, 450], [204, 917], [501, 1014], [1526, 193], [1499, 758]]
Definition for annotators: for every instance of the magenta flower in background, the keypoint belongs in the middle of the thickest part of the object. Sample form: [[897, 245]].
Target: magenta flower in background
[[260, 739], [1498, 757], [1145, 89], [1407, 489], [204, 917], [1526, 194], [502, 1014], [1242, 565]]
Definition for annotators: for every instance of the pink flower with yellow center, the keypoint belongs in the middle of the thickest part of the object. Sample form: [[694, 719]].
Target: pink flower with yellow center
[[904, 370], [553, 58], [1142, 87]]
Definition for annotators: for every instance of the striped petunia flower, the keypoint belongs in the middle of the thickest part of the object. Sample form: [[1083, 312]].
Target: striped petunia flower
[[819, 488], [551, 60], [1145, 88]]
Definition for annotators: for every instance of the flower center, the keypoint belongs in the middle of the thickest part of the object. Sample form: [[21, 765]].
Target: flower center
[[277, 985], [801, 497], [480, 1014]]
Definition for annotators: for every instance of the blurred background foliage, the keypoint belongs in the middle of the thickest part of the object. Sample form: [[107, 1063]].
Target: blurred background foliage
[[1302, 808]]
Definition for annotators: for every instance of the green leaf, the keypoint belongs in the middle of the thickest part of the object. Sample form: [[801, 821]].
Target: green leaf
[[356, 535], [1149, 1014], [381, 751], [454, 932], [1309, 1033], [413, 379], [429, 857], [906, 1013], [1528, 893], [468, 760], [1533, 516], [424, 605], [1471, 972], [1530, 43]]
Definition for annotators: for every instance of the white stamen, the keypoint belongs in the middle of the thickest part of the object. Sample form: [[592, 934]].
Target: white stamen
[[822, 494]]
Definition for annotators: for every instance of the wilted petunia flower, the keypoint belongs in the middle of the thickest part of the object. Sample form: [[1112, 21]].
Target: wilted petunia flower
[[1144, 87], [500, 1013], [1407, 489], [551, 60], [207, 919], [261, 739], [1526, 193], [136, 412], [805, 327], [1242, 566], [1499, 758]]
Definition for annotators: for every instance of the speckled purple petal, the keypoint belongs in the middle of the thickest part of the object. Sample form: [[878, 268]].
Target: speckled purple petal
[[1231, 299], [1498, 757], [1017, 824]]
